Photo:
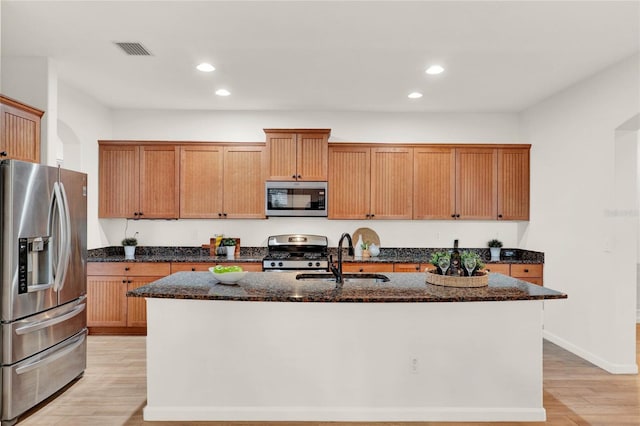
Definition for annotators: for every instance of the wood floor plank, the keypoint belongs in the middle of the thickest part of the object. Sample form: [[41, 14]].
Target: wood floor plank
[[112, 392]]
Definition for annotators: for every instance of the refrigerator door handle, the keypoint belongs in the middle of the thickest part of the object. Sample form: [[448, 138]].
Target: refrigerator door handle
[[51, 321], [58, 207], [66, 225], [56, 355], [39, 287]]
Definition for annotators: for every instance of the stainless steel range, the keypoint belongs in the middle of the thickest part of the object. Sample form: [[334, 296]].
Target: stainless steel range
[[296, 252]]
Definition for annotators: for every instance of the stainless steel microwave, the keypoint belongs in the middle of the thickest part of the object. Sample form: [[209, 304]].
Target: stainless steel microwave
[[296, 199]]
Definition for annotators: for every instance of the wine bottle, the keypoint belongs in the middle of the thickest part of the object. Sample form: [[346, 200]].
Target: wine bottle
[[455, 268]]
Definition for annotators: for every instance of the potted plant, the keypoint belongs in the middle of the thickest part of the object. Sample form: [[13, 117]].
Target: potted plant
[[230, 244], [365, 250], [494, 248], [130, 244]]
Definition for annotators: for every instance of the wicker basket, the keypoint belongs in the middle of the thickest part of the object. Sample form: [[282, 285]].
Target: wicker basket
[[448, 281]]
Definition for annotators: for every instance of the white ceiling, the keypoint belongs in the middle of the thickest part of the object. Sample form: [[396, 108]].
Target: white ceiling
[[324, 55]]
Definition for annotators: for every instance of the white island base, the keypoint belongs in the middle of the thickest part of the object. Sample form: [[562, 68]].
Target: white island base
[[279, 361]]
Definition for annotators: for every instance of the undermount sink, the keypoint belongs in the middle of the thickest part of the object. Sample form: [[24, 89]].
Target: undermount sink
[[377, 278]]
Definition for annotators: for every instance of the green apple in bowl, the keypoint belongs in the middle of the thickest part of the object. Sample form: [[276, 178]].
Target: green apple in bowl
[[227, 274]]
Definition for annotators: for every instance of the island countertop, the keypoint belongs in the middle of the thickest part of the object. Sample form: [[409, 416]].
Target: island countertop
[[284, 287]]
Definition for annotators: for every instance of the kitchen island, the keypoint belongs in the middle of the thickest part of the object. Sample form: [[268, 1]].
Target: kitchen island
[[274, 348]]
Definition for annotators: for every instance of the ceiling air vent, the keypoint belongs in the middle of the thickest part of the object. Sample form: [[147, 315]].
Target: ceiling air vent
[[134, 49]]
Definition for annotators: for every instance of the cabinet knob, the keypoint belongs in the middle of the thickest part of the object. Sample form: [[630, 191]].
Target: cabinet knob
[[126, 268], [457, 215], [373, 215], [193, 269], [418, 268], [224, 214], [128, 281], [293, 176], [488, 270], [140, 213], [135, 213], [361, 270], [453, 215], [499, 216], [3, 154], [299, 177], [219, 214], [526, 270], [124, 281]]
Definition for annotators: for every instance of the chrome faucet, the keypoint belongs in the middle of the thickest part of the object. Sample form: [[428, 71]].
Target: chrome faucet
[[337, 271]]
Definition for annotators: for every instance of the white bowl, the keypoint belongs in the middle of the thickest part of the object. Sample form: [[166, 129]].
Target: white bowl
[[228, 277]]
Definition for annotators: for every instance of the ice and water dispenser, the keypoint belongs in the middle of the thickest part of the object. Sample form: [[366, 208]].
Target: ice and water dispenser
[[34, 263]]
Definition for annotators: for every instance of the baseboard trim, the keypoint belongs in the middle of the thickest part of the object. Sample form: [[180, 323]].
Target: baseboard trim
[[592, 358], [344, 414]]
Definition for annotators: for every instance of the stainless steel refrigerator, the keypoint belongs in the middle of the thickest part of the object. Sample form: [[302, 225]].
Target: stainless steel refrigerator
[[43, 268]]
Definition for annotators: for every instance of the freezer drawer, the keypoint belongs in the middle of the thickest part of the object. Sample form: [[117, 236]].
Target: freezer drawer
[[29, 382], [23, 338]]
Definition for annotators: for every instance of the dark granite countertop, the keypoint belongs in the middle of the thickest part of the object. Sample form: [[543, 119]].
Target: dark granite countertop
[[283, 287], [255, 254]]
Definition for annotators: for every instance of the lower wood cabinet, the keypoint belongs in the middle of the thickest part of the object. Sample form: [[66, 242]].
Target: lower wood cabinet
[[367, 267], [109, 310], [407, 267], [530, 272]]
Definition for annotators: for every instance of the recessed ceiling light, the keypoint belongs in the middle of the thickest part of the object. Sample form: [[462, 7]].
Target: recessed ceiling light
[[223, 92], [205, 67], [414, 95], [434, 69]]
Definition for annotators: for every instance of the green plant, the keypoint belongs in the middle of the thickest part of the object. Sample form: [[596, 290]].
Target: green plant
[[130, 242], [228, 242], [494, 243], [436, 256]]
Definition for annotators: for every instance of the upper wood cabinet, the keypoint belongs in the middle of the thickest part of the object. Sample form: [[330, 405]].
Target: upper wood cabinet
[[222, 181], [481, 183], [434, 183], [20, 135], [370, 182], [513, 184], [138, 181], [476, 183], [297, 154]]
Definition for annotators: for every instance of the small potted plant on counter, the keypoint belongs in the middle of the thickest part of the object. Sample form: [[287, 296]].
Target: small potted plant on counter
[[365, 250], [494, 248], [130, 244], [230, 245]]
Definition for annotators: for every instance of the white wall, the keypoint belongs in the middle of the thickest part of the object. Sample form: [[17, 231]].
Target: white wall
[[573, 195], [81, 122]]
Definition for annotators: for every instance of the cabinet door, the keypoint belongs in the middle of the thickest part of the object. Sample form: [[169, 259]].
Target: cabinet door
[[119, 181], [434, 183], [137, 306], [391, 183], [244, 182], [476, 183], [282, 156], [201, 181], [20, 137], [312, 156], [106, 301], [349, 182], [159, 182], [513, 184]]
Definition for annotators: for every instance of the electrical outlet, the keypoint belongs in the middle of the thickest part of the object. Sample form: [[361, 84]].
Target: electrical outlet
[[414, 366]]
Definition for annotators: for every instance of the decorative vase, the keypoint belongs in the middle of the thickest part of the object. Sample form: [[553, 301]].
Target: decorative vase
[[129, 252], [231, 251], [357, 250], [374, 250], [495, 253]]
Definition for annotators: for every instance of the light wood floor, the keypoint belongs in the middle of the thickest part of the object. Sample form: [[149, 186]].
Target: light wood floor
[[113, 391]]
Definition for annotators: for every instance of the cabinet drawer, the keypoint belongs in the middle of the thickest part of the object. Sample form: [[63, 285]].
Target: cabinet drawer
[[190, 266], [500, 268], [406, 267], [367, 267], [526, 270], [129, 268]]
